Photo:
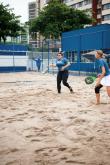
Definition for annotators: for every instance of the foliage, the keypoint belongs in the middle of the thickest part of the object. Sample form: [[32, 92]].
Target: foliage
[[9, 23], [56, 18]]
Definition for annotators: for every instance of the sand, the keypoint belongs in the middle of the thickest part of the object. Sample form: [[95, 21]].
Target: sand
[[40, 127]]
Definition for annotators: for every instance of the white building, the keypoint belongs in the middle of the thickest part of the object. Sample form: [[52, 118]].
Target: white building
[[32, 10], [99, 8], [105, 11]]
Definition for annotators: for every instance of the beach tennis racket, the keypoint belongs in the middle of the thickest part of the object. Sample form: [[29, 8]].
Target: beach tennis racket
[[90, 79]]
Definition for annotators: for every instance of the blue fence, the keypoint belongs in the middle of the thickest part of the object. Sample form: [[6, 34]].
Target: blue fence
[[77, 44], [11, 53], [15, 47], [12, 69]]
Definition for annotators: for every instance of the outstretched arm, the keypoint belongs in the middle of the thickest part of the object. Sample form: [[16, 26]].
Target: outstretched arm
[[52, 65]]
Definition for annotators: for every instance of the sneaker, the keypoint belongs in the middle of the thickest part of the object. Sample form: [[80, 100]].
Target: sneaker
[[71, 90]]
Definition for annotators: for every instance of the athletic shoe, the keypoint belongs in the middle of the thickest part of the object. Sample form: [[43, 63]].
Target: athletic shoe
[[71, 90]]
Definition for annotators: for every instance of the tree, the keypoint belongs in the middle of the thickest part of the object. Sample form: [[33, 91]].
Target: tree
[[9, 23], [56, 18]]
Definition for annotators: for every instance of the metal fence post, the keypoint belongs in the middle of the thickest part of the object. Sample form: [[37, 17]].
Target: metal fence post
[[79, 54], [42, 55], [13, 59], [48, 55]]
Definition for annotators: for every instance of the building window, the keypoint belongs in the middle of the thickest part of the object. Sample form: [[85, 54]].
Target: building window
[[106, 17], [99, 11], [66, 1], [74, 6], [106, 6], [87, 2], [99, 2], [31, 6], [80, 4]]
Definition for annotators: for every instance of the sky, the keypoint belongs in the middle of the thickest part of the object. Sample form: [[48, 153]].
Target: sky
[[20, 8]]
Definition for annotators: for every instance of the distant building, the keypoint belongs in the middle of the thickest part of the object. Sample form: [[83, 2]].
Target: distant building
[[33, 9], [33, 13], [100, 9]]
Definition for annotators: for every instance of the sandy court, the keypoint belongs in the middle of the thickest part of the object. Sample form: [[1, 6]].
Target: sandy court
[[40, 127]]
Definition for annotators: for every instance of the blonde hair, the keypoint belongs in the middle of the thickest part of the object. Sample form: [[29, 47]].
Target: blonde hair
[[100, 52]]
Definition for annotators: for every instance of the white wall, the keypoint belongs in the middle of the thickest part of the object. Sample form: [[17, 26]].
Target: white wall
[[13, 61]]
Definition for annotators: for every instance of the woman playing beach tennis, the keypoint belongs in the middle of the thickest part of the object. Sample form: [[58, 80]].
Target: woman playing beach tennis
[[104, 75], [62, 76]]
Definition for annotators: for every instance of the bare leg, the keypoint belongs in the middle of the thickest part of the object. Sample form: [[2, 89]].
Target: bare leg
[[97, 98], [108, 91]]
